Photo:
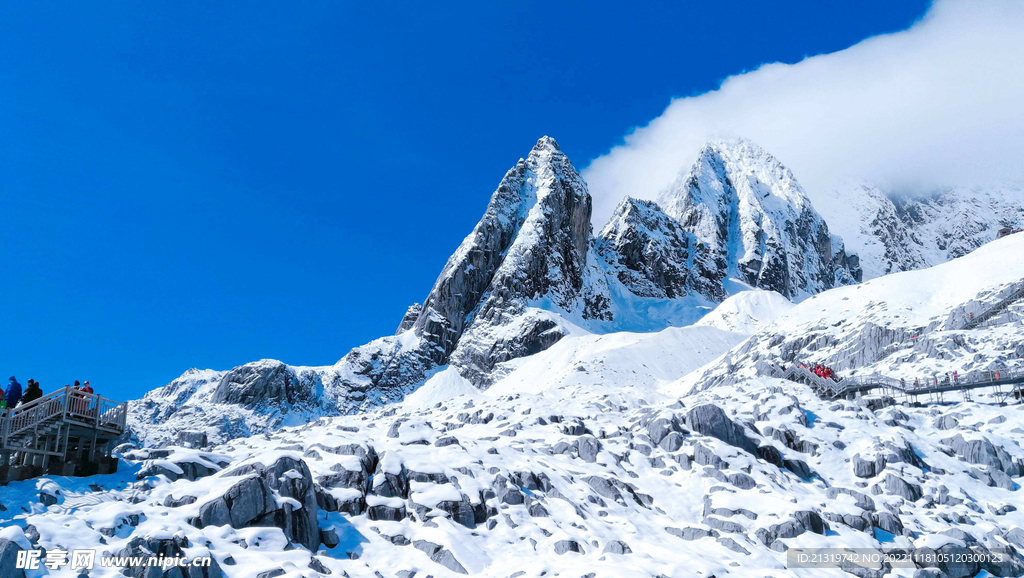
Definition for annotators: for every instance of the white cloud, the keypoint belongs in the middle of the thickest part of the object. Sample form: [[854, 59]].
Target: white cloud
[[941, 103]]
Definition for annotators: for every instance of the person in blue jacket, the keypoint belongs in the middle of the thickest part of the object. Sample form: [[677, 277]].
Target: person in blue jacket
[[13, 393]]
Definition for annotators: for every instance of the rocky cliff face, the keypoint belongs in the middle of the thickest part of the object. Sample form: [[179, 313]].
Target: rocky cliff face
[[893, 231], [529, 252], [652, 255], [757, 222]]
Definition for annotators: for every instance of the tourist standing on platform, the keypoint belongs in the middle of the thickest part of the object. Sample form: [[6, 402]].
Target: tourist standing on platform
[[86, 388], [13, 395], [32, 392], [77, 399]]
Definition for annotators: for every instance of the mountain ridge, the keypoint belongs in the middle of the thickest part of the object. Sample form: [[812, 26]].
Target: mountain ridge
[[532, 272]]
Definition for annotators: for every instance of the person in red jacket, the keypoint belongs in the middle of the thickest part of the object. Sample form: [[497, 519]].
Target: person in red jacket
[[88, 406]]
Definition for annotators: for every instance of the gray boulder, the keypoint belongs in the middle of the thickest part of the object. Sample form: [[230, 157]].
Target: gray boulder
[[9, 558], [440, 555], [252, 502], [863, 501], [662, 426], [173, 547], [800, 468], [566, 546], [386, 513], [690, 533], [733, 545], [803, 521], [617, 547], [888, 522], [587, 447], [603, 487], [255, 383], [710, 420], [190, 470], [863, 468], [191, 439], [900, 487], [703, 456], [742, 481], [671, 442], [724, 525], [981, 451]]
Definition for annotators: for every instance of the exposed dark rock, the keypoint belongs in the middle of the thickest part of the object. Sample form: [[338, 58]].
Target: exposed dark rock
[[262, 381], [770, 454], [710, 420], [173, 547], [191, 439], [983, 452], [9, 558], [888, 522], [900, 487], [800, 468], [251, 502], [863, 468], [446, 441], [566, 546], [652, 255], [617, 547]]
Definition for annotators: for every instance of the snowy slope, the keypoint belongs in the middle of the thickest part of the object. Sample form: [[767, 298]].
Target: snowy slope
[[618, 360], [563, 482], [747, 311], [907, 324]]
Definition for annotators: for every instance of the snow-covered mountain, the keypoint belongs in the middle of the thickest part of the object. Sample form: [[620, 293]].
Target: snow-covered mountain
[[893, 231], [910, 325], [654, 454], [755, 222], [532, 272]]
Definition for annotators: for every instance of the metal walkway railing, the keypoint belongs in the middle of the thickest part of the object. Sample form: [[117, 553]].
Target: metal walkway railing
[[996, 309], [932, 384]]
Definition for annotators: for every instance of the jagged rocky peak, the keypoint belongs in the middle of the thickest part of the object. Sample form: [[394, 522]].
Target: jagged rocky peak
[[412, 313], [538, 216], [540, 247], [264, 381], [652, 255], [757, 222]]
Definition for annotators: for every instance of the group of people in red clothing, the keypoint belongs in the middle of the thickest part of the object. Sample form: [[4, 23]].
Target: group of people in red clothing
[[822, 371]]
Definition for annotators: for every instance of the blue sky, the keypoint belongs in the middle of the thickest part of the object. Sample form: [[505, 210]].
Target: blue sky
[[184, 185]]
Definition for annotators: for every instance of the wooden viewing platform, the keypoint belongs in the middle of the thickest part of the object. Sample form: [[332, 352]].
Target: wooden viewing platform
[[67, 432]]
